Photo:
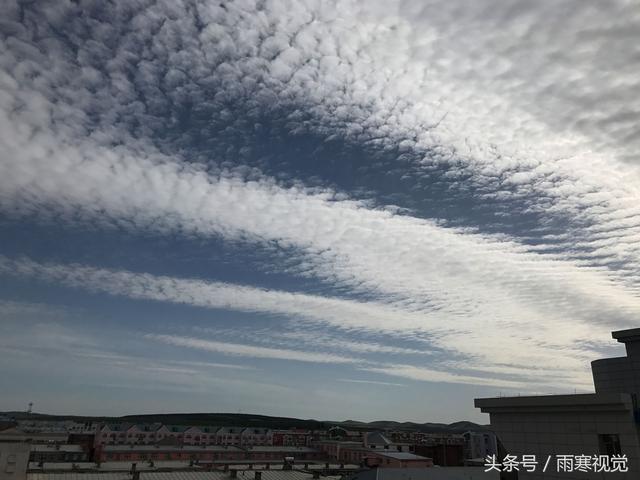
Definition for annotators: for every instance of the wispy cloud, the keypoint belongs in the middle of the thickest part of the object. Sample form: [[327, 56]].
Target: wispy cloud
[[370, 382], [426, 374], [89, 139], [340, 313], [250, 350]]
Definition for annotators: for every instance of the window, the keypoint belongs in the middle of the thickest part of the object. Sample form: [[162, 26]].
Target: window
[[609, 444], [11, 464]]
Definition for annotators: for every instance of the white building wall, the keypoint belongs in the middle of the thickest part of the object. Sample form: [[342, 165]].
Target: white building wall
[[14, 459], [567, 433]]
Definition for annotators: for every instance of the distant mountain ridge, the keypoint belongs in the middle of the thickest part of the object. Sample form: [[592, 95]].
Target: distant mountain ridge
[[429, 427], [251, 420]]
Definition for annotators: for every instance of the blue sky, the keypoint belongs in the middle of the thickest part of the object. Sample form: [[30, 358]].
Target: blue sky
[[366, 210]]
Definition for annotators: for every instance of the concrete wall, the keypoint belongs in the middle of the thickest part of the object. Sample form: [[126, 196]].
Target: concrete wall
[[613, 375], [14, 459], [620, 374], [381, 461], [204, 455], [567, 433]]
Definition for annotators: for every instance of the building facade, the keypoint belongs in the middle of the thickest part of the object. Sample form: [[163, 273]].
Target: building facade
[[14, 459], [587, 428], [215, 453], [388, 459], [479, 444]]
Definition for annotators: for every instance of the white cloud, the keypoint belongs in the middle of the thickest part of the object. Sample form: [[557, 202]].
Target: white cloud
[[506, 107], [535, 356], [370, 382], [425, 374], [250, 350]]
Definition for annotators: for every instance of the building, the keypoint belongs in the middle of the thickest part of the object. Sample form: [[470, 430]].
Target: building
[[203, 453], [112, 434], [275, 453], [447, 473], [255, 436], [16, 434], [341, 450], [480, 444], [14, 459], [444, 453], [137, 453], [339, 433], [231, 474], [291, 438], [359, 454], [142, 434], [153, 433], [58, 453], [378, 441], [604, 423], [388, 459], [228, 436], [157, 433]]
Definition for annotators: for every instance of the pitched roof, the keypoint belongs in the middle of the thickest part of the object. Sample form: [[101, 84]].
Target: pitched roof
[[177, 428], [224, 430], [399, 455], [378, 438], [146, 427]]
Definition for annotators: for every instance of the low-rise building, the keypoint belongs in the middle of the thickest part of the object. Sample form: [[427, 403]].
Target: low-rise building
[[228, 436], [203, 453], [277, 453], [336, 449], [479, 444], [388, 459], [446, 473], [443, 454], [142, 434], [135, 453], [58, 453], [255, 436], [112, 434], [291, 438], [379, 441], [15, 433], [181, 474]]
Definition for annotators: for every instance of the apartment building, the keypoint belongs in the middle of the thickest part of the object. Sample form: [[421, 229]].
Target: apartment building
[[255, 436]]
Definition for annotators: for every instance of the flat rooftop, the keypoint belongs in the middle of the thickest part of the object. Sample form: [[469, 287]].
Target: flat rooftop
[[170, 448], [242, 475], [270, 448], [432, 473], [629, 335], [596, 401], [65, 447]]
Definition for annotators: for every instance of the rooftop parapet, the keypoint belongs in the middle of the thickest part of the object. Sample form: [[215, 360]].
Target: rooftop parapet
[[631, 340]]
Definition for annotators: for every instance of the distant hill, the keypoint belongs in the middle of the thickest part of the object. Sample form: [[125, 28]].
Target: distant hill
[[250, 420], [212, 419], [457, 427]]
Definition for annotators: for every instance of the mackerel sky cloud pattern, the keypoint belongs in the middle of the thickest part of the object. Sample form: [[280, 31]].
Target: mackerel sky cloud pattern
[[440, 197]]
